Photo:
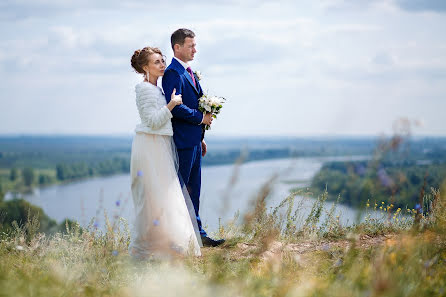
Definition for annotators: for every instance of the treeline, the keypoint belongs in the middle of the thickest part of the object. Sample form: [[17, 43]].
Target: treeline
[[80, 170], [400, 184], [47, 151], [27, 161], [43, 152], [229, 157], [23, 180], [20, 213]]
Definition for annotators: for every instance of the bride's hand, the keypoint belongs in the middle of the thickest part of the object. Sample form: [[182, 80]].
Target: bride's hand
[[177, 99]]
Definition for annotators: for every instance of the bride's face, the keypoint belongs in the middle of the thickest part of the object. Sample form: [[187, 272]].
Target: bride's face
[[156, 65]]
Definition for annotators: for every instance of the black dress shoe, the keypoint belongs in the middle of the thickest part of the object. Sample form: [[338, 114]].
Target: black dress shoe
[[207, 241]]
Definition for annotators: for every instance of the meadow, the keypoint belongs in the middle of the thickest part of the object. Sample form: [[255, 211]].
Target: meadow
[[395, 251], [275, 252]]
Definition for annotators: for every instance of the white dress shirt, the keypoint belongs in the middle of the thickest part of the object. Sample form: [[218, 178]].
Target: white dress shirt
[[184, 64]]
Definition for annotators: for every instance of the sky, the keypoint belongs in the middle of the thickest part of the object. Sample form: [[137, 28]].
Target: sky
[[286, 68]]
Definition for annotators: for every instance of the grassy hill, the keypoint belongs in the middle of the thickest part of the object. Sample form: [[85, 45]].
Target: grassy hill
[[273, 253]]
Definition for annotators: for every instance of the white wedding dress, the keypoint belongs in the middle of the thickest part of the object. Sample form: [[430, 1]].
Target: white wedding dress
[[164, 222]]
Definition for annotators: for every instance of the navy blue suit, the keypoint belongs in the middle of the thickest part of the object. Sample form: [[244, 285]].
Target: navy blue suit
[[187, 130]]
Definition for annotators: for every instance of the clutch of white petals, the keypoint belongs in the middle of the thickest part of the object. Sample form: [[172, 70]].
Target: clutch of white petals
[[210, 104]]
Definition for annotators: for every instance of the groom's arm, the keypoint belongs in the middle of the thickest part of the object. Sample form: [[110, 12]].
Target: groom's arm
[[171, 80]]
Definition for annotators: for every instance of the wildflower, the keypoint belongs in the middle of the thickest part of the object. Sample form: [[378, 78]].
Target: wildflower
[[393, 258], [118, 202], [19, 248], [115, 253], [417, 206], [96, 224], [385, 179], [156, 222], [338, 263]]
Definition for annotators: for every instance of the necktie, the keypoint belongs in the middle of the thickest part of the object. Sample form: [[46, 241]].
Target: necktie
[[192, 75]]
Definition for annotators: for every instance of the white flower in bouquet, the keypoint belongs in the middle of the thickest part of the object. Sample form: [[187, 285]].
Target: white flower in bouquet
[[210, 104]]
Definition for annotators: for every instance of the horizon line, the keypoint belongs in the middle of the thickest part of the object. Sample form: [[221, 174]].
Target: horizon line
[[121, 135]]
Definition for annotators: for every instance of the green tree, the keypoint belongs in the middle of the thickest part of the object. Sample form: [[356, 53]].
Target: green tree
[[13, 174], [28, 176], [61, 172], [21, 211], [44, 179], [91, 171]]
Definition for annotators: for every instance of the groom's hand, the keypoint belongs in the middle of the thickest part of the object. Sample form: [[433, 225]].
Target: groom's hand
[[207, 119], [204, 148]]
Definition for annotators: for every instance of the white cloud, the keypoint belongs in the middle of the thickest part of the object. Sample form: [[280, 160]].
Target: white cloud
[[286, 68]]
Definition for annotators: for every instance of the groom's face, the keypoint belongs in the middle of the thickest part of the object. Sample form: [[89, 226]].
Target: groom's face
[[187, 51]]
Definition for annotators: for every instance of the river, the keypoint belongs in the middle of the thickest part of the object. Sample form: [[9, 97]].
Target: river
[[226, 189]]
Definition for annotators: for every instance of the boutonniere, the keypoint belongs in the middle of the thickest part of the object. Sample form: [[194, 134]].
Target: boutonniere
[[198, 74]]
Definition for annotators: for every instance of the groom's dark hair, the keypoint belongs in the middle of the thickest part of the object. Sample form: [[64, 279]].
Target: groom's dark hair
[[179, 36]]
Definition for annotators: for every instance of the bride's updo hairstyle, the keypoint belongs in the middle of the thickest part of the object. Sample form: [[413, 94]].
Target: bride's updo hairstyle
[[141, 58]]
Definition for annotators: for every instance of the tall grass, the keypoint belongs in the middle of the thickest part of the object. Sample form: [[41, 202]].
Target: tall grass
[[275, 252]]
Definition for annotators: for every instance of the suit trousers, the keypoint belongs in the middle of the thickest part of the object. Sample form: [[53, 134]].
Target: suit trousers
[[190, 170]]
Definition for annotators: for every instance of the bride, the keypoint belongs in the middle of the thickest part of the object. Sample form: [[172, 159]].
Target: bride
[[165, 222]]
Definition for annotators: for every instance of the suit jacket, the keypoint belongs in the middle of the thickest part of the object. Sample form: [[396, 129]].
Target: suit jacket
[[187, 130]]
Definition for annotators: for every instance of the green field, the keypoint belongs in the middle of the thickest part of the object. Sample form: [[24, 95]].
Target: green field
[[271, 254], [274, 252]]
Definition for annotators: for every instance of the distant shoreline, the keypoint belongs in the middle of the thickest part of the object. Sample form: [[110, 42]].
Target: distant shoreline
[[58, 159]]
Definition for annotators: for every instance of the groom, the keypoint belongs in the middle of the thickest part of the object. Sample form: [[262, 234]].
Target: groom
[[188, 121]]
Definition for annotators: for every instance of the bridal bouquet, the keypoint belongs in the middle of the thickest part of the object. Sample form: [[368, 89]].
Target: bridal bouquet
[[212, 104]]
